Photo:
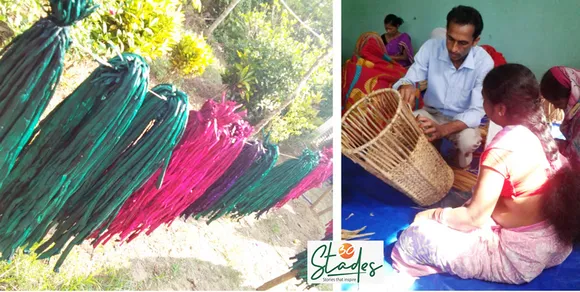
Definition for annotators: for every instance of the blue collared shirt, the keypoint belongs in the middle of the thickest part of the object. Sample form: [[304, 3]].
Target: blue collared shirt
[[456, 93]]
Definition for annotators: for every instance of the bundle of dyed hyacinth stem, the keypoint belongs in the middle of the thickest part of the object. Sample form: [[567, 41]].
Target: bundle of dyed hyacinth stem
[[277, 184], [72, 147], [251, 151], [264, 186], [214, 137], [244, 187], [30, 68], [146, 147], [319, 175]]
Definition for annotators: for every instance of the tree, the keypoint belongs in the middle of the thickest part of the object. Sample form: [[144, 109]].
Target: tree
[[278, 65], [295, 94]]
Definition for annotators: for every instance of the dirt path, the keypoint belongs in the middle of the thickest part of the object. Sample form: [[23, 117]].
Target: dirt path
[[225, 255]]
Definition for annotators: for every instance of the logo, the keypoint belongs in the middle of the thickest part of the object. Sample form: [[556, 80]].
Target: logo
[[346, 251], [345, 262]]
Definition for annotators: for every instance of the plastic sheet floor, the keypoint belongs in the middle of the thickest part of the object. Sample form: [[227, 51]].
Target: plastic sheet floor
[[367, 201]]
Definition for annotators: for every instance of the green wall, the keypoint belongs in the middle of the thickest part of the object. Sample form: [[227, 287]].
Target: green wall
[[535, 33]]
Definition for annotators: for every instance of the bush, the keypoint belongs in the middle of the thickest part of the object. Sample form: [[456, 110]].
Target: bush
[[191, 55], [196, 4], [148, 28], [20, 15], [300, 118], [265, 62]]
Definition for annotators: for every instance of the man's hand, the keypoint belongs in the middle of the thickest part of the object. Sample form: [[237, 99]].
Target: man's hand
[[433, 130], [408, 94]]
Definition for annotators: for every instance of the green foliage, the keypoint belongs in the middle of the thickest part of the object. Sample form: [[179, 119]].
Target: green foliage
[[241, 77], [148, 28], [196, 4], [28, 273], [306, 114], [317, 14], [301, 115], [268, 52], [213, 8], [192, 55], [266, 61], [20, 15]]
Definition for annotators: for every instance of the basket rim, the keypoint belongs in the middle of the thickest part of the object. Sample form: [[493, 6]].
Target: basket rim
[[365, 97]]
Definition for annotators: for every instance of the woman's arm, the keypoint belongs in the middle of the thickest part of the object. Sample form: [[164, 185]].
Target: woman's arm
[[402, 57], [478, 212]]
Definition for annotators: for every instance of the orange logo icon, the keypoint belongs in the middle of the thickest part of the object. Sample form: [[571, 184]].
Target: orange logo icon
[[346, 251]]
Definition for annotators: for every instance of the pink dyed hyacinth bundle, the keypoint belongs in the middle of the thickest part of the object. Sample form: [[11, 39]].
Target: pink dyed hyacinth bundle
[[213, 138], [328, 232], [313, 180]]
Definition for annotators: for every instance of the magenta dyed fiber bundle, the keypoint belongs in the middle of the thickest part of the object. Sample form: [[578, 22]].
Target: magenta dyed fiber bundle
[[213, 139], [313, 180], [249, 154]]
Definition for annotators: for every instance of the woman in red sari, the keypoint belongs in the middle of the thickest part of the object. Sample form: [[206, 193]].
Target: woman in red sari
[[369, 69]]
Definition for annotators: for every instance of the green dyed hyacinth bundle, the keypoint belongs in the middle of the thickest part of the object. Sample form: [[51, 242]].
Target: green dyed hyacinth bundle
[[145, 148], [277, 184], [300, 264], [245, 185], [30, 68], [72, 147]]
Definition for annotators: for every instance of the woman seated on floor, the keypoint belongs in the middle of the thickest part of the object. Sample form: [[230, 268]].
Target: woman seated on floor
[[561, 87], [369, 69], [523, 216], [398, 44]]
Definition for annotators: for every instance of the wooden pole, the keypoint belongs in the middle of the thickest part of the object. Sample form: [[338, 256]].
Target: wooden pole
[[294, 94], [320, 198], [324, 211], [220, 19], [278, 280]]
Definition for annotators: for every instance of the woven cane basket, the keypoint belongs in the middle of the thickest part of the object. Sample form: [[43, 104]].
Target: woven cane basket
[[380, 133]]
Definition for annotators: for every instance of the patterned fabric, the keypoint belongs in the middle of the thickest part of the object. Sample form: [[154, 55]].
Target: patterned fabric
[[497, 57], [570, 128], [369, 69], [505, 255]]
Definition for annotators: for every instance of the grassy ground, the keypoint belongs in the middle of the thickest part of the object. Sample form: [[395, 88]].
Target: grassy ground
[[188, 255]]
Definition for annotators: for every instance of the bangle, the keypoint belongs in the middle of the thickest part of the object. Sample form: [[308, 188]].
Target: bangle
[[437, 214]]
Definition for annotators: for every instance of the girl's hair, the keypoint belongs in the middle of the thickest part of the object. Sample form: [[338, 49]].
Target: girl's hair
[[551, 89], [516, 87], [562, 202], [393, 20]]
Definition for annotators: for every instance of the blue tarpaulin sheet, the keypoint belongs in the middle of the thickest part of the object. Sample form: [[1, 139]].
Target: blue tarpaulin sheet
[[368, 201]]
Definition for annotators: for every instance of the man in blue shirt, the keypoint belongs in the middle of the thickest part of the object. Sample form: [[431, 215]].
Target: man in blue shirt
[[454, 69]]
